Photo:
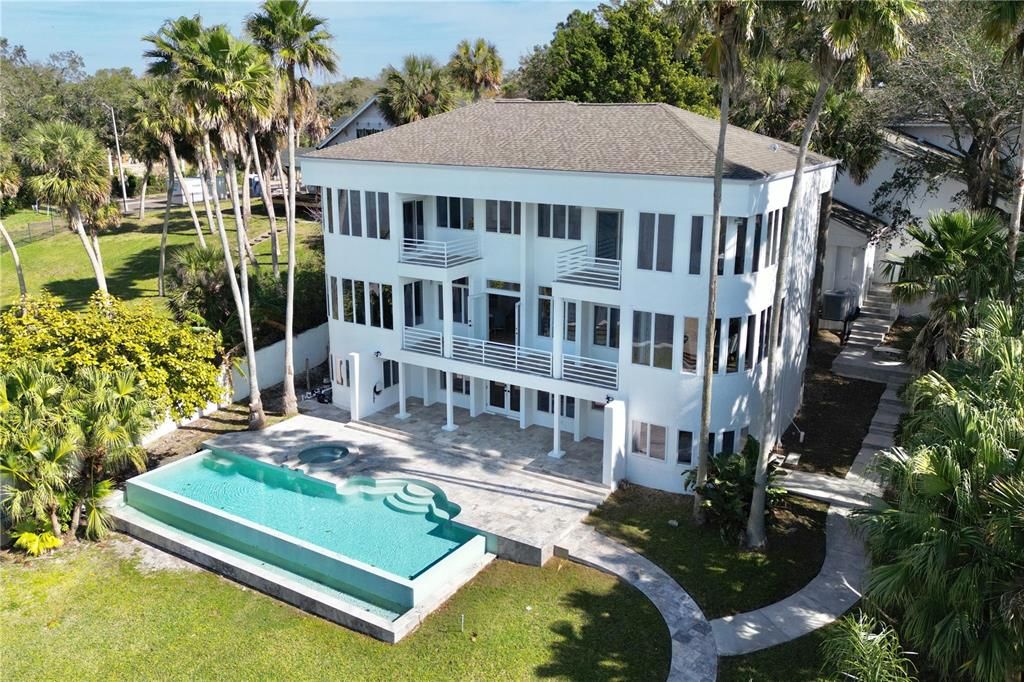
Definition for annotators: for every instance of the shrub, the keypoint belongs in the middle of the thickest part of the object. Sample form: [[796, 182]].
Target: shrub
[[729, 486], [35, 542], [176, 364], [865, 651]]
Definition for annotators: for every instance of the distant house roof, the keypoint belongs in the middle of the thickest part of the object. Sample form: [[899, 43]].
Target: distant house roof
[[341, 124], [857, 219], [645, 139]]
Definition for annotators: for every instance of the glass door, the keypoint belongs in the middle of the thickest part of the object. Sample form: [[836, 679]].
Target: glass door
[[412, 220], [503, 399], [609, 235]]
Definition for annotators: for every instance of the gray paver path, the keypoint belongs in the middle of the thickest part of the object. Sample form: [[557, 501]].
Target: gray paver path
[[694, 655]]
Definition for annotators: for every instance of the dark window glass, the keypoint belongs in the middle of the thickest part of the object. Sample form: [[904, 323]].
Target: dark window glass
[[334, 297], [741, 246], [748, 361], [696, 243], [570, 321], [543, 401], [360, 302], [613, 325], [657, 443], [375, 316], [782, 321], [389, 313], [371, 215], [357, 213], [666, 241], [384, 215], [711, 444], [756, 265], [575, 222], [543, 316], [329, 198], [417, 290], [717, 347], [454, 213], [722, 231], [663, 341], [641, 338], [517, 217], [442, 211], [690, 336], [760, 337], [505, 217], [645, 245], [558, 222], [468, 219], [410, 306], [728, 441], [349, 303], [684, 450], [543, 220], [343, 210], [732, 361], [492, 215]]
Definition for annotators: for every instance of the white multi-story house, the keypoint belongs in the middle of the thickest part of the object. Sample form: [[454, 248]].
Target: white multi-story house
[[536, 259]]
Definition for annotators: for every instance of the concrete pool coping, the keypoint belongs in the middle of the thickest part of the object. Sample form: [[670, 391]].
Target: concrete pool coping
[[281, 584]]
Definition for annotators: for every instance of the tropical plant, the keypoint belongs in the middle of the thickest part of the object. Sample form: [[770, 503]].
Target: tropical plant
[[948, 544], [298, 43], [846, 32], [35, 542], [69, 169], [945, 269], [10, 183], [731, 26], [864, 650], [476, 67], [420, 89]]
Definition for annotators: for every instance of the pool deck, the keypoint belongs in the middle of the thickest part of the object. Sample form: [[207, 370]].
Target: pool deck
[[503, 494]]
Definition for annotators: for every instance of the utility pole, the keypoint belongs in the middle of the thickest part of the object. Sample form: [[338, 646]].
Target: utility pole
[[120, 166]]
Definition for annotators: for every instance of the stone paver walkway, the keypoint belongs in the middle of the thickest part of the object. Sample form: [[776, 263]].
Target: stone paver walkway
[[694, 655]]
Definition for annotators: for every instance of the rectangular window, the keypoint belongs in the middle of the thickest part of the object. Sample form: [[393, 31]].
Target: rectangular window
[[343, 211], [543, 220], [782, 321], [666, 242], [749, 351], [348, 300], [656, 240], [546, 404], [375, 304], [387, 304], [696, 243], [741, 246], [663, 338], [570, 321], [329, 200], [391, 376], [334, 297], [371, 215], [544, 311], [575, 222], [649, 439], [782, 221], [491, 215], [642, 337], [757, 244], [356, 219], [711, 444], [503, 285], [441, 206], [383, 216], [460, 301], [652, 339], [722, 233], [715, 362], [760, 337], [645, 243], [558, 221], [460, 383], [606, 326], [414, 304], [360, 302], [468, 219], [728, 441], [454, 213], [504, 217], [732, 358], [765, 338], [684, 450], [690, 337]]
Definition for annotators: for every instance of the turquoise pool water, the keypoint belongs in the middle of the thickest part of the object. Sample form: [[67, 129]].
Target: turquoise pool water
[[394, 531]]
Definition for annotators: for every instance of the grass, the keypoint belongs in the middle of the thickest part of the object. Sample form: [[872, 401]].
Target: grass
[[835, 415], [94, 612], [721, 577], [131, 256], [798, 661]]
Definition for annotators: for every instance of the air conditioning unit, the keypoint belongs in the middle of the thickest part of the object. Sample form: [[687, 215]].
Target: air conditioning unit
[[838, 305]]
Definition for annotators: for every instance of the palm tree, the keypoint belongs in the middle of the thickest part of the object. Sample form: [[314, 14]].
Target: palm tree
[[1005, 25], [298, 43], [476, 67], [70, 169], [847, 31], [10, 183], [731, 25], [422, 88], [946, 269]]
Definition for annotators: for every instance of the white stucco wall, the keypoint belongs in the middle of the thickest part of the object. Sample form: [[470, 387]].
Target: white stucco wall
[[372, 118]]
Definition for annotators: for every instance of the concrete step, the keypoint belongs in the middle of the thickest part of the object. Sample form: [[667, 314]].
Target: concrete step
[[399, 505]]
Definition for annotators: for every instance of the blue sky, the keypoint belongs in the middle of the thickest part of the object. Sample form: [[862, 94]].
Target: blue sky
[[369, 34]]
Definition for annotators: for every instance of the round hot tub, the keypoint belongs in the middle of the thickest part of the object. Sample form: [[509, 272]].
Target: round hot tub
[[323, 456]]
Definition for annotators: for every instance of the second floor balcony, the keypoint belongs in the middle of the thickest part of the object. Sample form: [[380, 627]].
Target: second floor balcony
[[439, 254], [578, 266]]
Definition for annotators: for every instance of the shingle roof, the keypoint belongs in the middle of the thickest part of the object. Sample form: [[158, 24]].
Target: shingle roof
[[646, 139], [857, 219]]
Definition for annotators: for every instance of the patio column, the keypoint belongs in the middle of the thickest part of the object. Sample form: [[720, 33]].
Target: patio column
[[449, 403], [556, 428], [403, 389], [557, 334], [577, 422], [448, 325], [428, 388]]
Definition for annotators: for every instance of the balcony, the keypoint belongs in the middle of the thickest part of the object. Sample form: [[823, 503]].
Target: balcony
[[501, 355], [590, 371], [440, 254], [422, 341], [577, 266]]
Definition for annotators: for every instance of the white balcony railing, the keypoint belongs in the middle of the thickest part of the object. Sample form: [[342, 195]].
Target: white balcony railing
[[590, 371], [440, 254], [501, 355], [577, 266], [422, 341]]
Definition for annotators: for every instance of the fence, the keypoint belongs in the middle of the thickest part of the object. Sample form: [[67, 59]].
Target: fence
[[34, 231]]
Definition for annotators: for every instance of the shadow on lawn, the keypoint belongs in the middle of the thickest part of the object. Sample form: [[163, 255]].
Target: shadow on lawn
[[615, 642]]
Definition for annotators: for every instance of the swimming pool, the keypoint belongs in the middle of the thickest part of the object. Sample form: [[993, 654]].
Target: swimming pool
[[388, 542]]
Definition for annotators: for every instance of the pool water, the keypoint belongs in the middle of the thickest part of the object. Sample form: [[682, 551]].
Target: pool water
[[323, 454], [360, 525]]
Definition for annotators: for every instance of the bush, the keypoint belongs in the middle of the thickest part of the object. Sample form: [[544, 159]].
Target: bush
[[865, 651], [176, 364], [730, 483]]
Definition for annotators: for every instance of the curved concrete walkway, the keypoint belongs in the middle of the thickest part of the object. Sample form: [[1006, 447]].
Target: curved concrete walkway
[[694, 655]]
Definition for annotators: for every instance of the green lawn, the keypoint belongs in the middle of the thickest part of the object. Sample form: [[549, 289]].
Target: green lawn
[[721, 577], [131, 256], [796, 661], [90, 612]]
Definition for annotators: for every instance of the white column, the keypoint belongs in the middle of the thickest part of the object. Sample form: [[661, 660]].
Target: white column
[[403, 389], [356, 392], [449, 404], [476, 394], [577, 423], [428, 389], [557, 334], [448, 326], [556, 429]]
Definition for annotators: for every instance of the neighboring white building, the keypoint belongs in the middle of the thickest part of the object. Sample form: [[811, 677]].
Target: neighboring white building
[[194, 186], [513, 256], [366, 120]]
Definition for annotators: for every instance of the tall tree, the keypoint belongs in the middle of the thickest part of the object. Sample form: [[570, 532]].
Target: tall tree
[[10, 183], [69, 169], [477, 67], [847, 31], [731, 25], [299, 44], [420, 89]]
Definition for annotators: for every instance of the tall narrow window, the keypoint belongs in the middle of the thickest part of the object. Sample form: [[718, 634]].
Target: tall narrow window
[[663, 340], [504, 216], [371, 215], [329, 200], [645, 243], [760, 336], [741, 246], [711, 444], [460, 300], [728, 441], [684, 449], [696, 243], [343, 211], [570, 321], [391, 376], [468, 219], [454, 213], [491, 215], [544, 311], [543, 220], [360, 302], [718, 347], [606, 326], [690, 332], [386, 302], [766, 337], [782, 321], [722, 232], [756, 255], [656, 240], [383, 216], [375, 303], [652, 339], [732, 360], [575, 222], [356, 204], [348, 300], [414, 304], [642, 337], [558, 221], [749, 350], [441, 205], [334, 297], [666, 242]]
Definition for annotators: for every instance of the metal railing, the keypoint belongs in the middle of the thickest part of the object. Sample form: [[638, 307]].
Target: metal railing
[[590, 371], [440, 254], [501, 355], [577, 266], [422, 341]]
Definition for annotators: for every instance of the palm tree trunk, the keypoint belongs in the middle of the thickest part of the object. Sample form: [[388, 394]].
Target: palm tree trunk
[[163, 235], [290, 404], [756, 536], [14, 256], [246, 192], [209, 191], [284, 192], [94, 260], [820, 248], [709, 320], [142, 193], [76, 520], [172, 156], [1017, 203], [54, 522], [257, 418], [268, 203]]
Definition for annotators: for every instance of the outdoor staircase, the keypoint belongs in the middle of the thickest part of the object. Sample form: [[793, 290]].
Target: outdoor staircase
[[861, 357]]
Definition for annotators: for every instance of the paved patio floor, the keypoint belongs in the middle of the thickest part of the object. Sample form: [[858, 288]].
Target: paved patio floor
[[500, 492]]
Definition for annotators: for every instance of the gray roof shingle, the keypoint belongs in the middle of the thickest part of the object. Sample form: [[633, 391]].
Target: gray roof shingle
[[645, 139]]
